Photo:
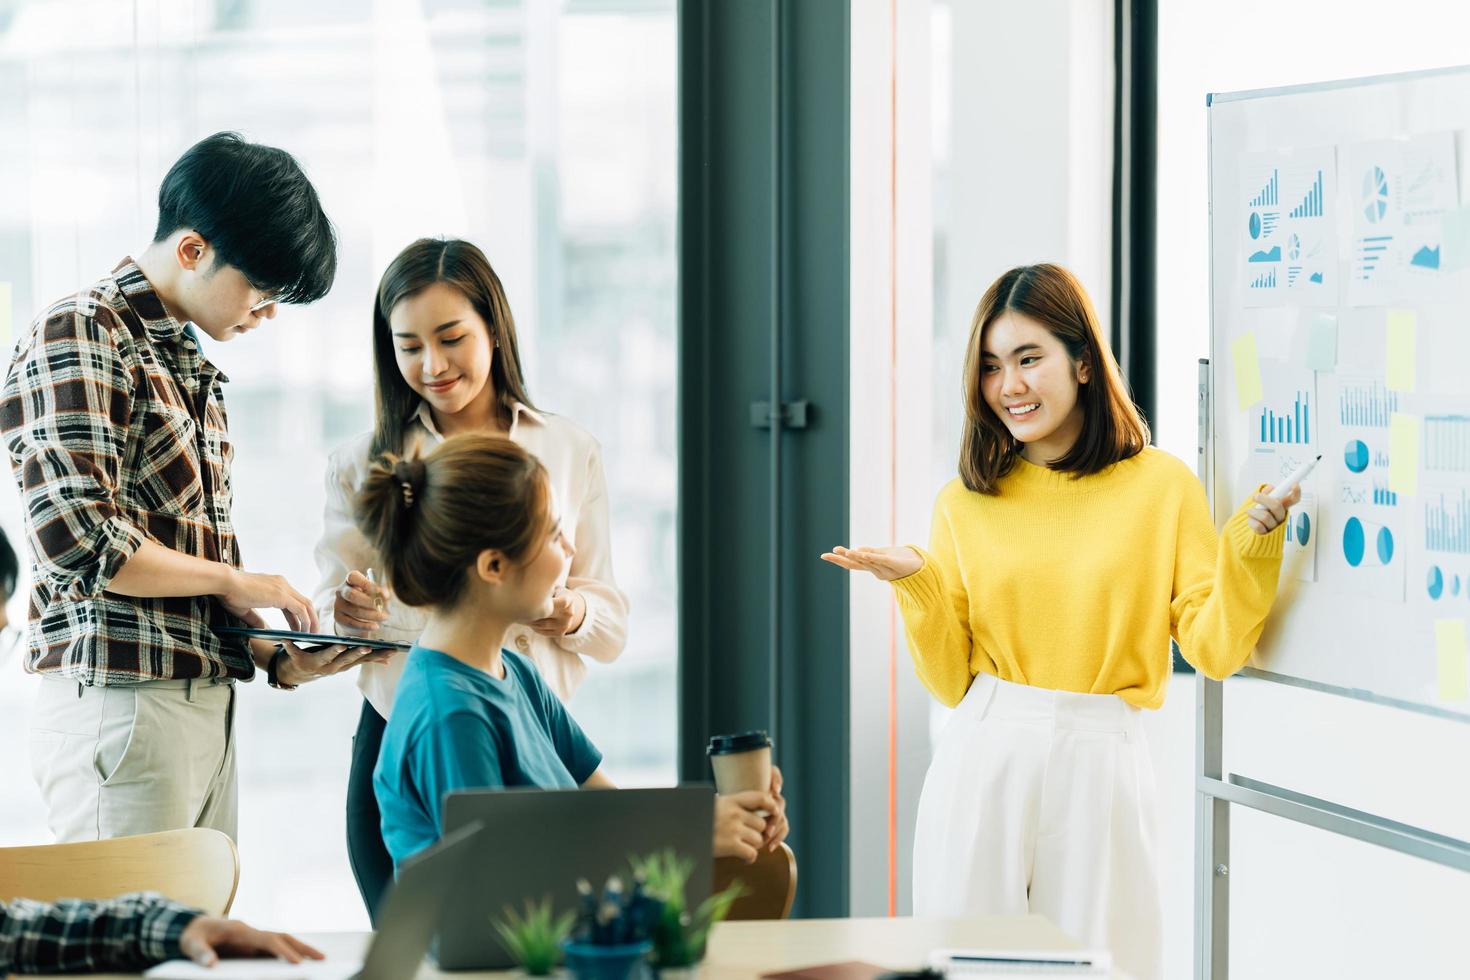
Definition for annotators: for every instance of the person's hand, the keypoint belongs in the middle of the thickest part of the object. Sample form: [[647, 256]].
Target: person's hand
[[301, 665], [361, 606], [245, 592], [1268, 512], [886, 564], [740, 827], [568, 610], [206, 938], [776, 826]]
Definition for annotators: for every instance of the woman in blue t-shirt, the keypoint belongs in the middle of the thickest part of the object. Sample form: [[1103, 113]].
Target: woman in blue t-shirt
[[469, 533]]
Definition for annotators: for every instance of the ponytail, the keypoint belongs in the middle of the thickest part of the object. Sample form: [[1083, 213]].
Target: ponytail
[[431, 516]]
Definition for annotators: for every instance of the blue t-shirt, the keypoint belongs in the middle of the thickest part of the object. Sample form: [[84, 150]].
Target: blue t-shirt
[[454, 727]]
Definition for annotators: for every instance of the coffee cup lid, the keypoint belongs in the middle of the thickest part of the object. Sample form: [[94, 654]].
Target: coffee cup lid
[[744, 742]]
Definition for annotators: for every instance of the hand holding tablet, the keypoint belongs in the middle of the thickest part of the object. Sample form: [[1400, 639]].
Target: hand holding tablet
[[310, 641]]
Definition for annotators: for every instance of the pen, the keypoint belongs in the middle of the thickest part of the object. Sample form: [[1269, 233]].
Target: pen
[[378, 599], [1285, 487]]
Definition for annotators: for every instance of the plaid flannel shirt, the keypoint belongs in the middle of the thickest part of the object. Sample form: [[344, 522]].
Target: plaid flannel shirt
[[124, 934], [116, 429]]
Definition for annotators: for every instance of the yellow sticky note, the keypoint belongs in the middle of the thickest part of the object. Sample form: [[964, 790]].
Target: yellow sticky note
[[1402, 350], [1449, 641], [1247, 370], [6, 338], [1403, 453]]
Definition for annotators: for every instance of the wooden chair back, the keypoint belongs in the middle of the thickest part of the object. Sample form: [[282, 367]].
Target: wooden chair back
[[197, 867], [770, 884]]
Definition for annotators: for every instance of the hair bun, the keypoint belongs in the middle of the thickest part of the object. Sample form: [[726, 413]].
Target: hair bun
[[410, 474]]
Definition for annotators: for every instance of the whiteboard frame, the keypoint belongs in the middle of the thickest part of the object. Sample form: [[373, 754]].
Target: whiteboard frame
[[1214, 791]]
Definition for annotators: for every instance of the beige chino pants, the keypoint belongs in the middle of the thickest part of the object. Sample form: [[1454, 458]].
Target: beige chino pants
[[135, 759]]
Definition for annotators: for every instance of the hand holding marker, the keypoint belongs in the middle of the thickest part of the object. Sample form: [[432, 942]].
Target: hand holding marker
[[1270, 508]]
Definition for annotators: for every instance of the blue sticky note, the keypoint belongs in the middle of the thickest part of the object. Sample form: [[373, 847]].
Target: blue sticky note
[[1322, 343]]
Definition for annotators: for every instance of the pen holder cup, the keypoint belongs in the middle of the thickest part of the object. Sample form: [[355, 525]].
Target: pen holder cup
[[588, 961]]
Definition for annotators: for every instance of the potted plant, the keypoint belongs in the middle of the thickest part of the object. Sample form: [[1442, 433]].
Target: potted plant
[[534, 939], [611, 938], [679, 936]]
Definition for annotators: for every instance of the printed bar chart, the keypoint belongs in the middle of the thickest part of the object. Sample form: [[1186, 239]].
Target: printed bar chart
[[1311, 206], [1367, 403], [1269, 194], [1294, 428], [1447, 443], [1447, 524]]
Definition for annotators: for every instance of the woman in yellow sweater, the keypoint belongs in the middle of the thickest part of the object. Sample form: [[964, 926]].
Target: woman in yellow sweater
[[1061, 561]]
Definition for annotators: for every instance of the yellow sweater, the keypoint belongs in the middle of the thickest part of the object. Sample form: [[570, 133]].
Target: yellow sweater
[[1077, 585]]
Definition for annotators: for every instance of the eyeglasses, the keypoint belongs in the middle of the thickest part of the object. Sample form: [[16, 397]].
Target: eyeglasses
[[263, 304]]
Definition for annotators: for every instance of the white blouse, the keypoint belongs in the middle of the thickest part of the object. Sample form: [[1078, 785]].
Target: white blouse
[[573, 460]]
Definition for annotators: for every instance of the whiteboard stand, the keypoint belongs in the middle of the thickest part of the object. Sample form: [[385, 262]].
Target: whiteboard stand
[[1214, 792]]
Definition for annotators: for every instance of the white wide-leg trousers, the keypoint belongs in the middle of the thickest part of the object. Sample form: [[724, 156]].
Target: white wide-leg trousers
[[1043, 801]]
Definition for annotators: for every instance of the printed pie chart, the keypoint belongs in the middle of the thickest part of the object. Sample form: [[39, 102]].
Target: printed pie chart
[[1436, 582], [1385, 545], [1375, 194], [1356, 456], [1303, 529], [1352, 542], [1355, 544], [1255, 225]]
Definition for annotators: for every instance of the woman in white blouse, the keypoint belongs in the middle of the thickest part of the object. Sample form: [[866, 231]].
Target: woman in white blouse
[[446, 362]]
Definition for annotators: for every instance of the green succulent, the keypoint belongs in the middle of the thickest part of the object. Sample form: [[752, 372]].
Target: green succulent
[[679, 938], [534, 939]]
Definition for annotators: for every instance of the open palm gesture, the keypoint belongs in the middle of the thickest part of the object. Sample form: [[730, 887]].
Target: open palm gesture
[[886, 564]]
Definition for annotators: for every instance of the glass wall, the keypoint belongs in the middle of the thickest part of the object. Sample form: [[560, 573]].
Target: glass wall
[[542, 131]]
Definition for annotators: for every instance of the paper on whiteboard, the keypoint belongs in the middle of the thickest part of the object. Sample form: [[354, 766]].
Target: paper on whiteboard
[[1363, 522], [1287, 227], [1397, 192]]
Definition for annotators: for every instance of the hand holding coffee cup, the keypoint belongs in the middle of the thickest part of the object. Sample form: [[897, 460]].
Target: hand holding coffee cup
[[741, 762]]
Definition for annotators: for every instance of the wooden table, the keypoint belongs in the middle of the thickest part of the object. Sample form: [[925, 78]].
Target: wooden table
[[745, 950]]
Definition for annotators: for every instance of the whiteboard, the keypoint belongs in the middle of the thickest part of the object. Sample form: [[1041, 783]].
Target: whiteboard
[[1340, 324]]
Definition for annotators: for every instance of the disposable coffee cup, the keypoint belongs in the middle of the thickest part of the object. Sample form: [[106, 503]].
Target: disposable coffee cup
[[741, 762]]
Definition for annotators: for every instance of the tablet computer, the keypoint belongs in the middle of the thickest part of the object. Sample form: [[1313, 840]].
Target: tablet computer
[[311, 639]]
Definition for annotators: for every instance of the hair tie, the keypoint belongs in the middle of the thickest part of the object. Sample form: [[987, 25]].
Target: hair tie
[[407, 493]]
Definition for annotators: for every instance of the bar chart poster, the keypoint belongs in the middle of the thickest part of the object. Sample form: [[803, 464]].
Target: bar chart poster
[[1399, 191], [1288, 227], [1285, 421]]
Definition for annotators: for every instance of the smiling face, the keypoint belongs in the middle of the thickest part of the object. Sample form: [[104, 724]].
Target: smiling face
[[522, 591], [1031, 384], [541, 574], [443, 350]]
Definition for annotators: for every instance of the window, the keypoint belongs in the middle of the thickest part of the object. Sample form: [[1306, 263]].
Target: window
[[545, 133]]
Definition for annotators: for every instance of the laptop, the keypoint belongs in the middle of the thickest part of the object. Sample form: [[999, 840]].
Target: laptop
[[411, 912], [414, 905], [537, 843]]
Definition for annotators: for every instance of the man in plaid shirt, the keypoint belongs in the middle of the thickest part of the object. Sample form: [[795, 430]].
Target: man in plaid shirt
[[126, 934], [115, 424]]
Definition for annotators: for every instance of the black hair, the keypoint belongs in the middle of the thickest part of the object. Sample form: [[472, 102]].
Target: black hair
[[257, 210], [9, 568]]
